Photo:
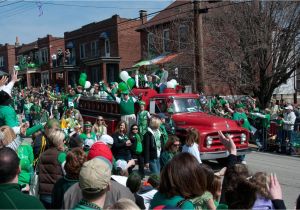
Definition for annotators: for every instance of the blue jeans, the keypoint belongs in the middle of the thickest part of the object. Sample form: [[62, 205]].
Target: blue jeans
[[46, 200], [162, 87], [154, 166]]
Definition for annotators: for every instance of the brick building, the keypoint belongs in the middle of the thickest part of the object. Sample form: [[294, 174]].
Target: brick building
[[7, 58], [35, 60], [172, 32], [101, 49]]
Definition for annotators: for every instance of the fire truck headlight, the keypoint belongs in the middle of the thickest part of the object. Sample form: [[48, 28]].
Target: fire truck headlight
[[209, 141], [243, 138]]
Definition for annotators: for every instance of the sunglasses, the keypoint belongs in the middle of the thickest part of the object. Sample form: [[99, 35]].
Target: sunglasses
[[134, 128]]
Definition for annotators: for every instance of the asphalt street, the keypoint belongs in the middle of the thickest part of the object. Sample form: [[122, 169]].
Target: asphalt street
[[287, 169]]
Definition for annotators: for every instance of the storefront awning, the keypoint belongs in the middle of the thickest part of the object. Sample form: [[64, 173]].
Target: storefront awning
[[156, 61]]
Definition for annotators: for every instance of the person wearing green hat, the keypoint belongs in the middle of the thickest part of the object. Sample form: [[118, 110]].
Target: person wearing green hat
[[88, 136], [72, 97], [240, 116], [142, 118], [35, 111], [126, 104]]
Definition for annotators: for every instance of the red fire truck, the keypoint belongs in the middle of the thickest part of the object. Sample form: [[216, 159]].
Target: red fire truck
[[186, 113]]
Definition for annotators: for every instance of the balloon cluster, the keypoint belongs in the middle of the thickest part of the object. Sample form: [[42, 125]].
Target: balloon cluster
[[83, 82], [172, 84], [128, 82]]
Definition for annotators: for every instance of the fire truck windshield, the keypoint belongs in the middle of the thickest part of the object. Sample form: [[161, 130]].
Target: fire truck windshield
[[186, 105]]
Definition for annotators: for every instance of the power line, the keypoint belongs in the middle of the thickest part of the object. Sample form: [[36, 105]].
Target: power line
[[13, 10], [86, 6], [11, 3]]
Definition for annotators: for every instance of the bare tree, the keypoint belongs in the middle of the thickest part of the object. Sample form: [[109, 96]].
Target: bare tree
[[256, 45]]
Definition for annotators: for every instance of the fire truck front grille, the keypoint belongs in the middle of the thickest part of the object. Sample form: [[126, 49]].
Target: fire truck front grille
[[216, 141]]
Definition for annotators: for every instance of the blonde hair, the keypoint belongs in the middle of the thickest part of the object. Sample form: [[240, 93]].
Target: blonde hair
[[154, 123], [125, 204], [7, 135], [56, 138], [261, 182]]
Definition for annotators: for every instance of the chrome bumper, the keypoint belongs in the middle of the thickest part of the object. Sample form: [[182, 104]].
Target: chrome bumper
[[221, 154]]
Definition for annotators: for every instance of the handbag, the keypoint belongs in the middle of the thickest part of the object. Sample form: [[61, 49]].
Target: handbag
[[34, 184]]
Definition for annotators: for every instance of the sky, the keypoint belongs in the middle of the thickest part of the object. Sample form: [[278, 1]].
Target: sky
[[30, 20]]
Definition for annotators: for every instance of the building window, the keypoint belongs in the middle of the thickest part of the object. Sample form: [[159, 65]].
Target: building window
[[82, 50], [166, 40], [107, 48], [44, 55], [36, 57], [95, 48], [1, 61], [183, 36], [151, 46]]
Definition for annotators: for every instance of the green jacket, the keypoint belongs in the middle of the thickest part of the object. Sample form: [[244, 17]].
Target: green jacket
[[11, 197], [8, 116], [26, 156]]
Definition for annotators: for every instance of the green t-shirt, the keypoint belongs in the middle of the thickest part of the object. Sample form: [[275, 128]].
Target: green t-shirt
[[161, 199], [83, 136]]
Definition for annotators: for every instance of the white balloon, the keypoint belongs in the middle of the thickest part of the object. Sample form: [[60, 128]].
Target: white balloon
[[87, 85], [169, 84], [174, 82], [124, 75]]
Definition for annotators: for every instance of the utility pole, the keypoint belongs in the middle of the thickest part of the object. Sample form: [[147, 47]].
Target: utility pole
[[198, 48]]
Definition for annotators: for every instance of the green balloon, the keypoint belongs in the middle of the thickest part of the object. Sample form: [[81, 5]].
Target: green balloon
[[122, 86], [82, 79], [130, 83]]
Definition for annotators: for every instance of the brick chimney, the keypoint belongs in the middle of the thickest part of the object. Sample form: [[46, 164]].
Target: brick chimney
[[17, 43], [143, 16]]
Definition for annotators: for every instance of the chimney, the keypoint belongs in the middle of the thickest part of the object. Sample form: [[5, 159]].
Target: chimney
[[17, 44], [143, 16]]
